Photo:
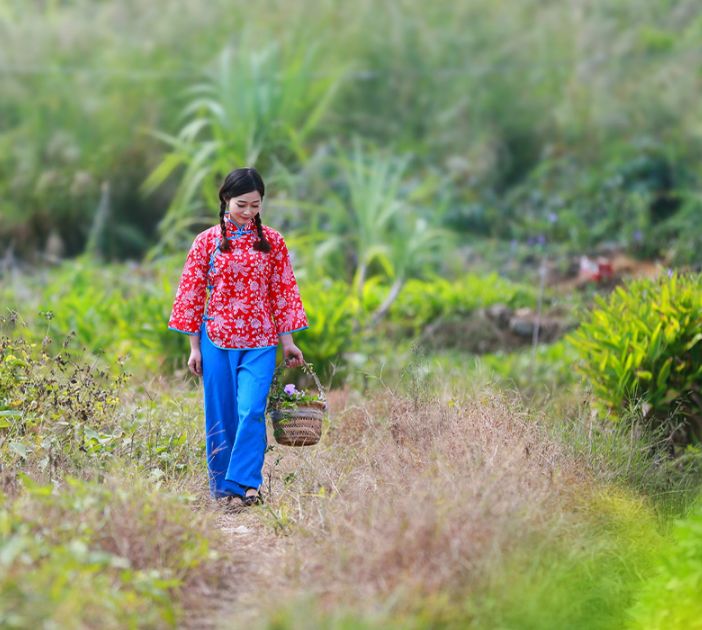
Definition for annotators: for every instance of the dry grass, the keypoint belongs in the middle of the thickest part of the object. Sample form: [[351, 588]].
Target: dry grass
[[411, 496]]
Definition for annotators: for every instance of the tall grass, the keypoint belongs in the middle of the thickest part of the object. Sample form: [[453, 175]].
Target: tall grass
[[446, 507]]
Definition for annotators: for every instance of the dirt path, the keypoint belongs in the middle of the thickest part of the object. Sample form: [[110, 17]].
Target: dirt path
[[250, 551]]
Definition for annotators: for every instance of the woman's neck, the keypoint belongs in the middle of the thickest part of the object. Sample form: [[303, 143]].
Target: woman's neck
[[240, 226]]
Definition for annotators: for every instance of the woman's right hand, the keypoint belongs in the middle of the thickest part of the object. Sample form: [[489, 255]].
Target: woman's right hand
[[195, 362]]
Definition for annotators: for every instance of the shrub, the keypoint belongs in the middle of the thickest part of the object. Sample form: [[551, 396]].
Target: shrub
[[422, 301], [51, 403], [641, 346], [114, 310], [331, 309], [86, 555], [60, 413]]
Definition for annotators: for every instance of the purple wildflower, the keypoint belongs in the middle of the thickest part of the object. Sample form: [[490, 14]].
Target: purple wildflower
[[289, 389]]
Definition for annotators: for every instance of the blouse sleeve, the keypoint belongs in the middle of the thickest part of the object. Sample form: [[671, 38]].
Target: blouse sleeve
[[189, 302], [284, 294]]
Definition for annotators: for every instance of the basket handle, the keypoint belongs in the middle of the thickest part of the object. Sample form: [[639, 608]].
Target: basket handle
[[307, 368]]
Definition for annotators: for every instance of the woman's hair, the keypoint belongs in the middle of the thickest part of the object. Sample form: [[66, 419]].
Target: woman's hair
[[239, 182]]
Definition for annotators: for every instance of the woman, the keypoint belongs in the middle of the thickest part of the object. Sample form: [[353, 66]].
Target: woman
[[237, 299]]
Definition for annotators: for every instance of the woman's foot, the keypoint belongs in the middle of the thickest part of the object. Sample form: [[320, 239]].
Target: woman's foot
[[253, 497]]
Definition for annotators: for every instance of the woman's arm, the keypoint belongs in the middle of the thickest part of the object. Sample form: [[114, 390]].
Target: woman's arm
[[195, 359], [191, 295], [286, 303]]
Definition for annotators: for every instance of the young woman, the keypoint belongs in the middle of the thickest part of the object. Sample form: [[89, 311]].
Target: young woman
[[237, 299]]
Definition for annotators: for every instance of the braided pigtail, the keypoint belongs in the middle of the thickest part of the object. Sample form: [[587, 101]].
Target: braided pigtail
[[224, 245], [262, 245]]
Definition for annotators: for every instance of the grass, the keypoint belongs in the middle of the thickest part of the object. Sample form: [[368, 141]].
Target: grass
[[439, 497], [454, 510], [123, 552]]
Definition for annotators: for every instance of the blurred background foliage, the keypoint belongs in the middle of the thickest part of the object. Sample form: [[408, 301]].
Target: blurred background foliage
[[575, 121]]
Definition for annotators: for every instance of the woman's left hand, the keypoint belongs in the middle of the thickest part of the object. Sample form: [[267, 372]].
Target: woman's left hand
[[292, 355]]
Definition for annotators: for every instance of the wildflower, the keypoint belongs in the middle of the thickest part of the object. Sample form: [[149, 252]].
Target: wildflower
[[289, 389]]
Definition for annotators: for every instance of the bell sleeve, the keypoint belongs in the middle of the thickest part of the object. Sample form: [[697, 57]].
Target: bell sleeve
[[284, 294], [191, 295]]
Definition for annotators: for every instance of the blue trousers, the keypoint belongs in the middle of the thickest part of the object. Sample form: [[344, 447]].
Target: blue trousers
[[236, 386]]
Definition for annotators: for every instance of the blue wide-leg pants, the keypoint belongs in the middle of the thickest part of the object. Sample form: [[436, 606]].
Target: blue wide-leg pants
[[236, 385]]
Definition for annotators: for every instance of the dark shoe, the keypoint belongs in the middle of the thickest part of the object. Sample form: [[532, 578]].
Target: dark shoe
[[254, 499]]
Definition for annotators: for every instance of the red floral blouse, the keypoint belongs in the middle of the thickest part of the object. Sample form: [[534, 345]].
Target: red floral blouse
[[245, 297]]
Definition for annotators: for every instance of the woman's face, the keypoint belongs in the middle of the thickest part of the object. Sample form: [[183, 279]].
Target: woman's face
[[244, 207]]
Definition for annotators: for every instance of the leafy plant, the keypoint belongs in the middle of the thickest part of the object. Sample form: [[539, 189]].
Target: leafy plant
[[642, 346], [60, 413], [422, 301], [670, 599], [289, 397], [332, 310], [254, 101]]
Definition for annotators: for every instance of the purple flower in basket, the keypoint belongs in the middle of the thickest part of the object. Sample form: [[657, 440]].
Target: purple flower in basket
[[289, 389]]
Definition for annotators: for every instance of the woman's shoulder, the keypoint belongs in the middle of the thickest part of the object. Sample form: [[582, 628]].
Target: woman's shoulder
[[272, 235], [210, 234]]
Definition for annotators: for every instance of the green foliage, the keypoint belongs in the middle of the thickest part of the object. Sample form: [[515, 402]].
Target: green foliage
[[681, 234], [248, 105], [331, 311], [642, 345], [117, 313], [584, 578], [377, 210], [634, 198], [292, 76], [670, 599], [52, 406], [423, 301], [108, 555], [59, 414], [114, 311]]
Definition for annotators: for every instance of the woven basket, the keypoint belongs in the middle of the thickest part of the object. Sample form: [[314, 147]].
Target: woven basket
[[300, 425]]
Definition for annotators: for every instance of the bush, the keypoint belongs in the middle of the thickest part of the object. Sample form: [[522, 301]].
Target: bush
[[86, 556], [422, 301], [641, 346], [60, 414], [331, 310], [114, 310]]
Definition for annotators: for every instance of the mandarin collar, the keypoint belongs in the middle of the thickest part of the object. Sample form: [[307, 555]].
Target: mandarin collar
[[233, 228]]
